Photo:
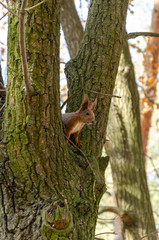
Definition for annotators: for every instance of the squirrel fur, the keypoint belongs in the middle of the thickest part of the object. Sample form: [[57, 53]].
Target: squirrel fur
[[73, 122]]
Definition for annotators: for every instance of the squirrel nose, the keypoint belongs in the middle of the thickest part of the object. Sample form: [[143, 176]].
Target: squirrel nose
[[93, 121]]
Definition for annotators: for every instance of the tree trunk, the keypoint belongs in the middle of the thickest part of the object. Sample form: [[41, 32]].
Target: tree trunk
[[30, 131], [50, 190], [71, 24], [94, 68], [129, 102], [126, 155], [151, 63]]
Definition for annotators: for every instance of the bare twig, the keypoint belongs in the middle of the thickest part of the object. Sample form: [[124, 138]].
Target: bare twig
[[9, 10], [127, 217], [38, 4], [88, 164], [149, 234], [2, 107], [2, 43], [83, 89], [138, 34], [106, 219], [74, 94], [104, 94], [146, 95], [98, 234], [154, 167], [23, 48], [3, 16], [82, 154], [98, 238]]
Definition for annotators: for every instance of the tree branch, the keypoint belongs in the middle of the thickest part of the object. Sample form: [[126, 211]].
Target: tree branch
[[149, 234], [98, 238], [2, 107], [98, 234], [3, 90], [104, 94], [3, 16], [84, 89], [154, 167], [9, 10], [38, 4], [23, 48], [73, 95], [138, 34], [112, 209], [146, 95], [128, 217]]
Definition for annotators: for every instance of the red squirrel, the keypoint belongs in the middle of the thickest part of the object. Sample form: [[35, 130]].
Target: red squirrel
[[73, 122]]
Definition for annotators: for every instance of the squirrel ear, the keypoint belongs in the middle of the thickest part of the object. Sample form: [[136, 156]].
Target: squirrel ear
[[93, 105], [85, 103]]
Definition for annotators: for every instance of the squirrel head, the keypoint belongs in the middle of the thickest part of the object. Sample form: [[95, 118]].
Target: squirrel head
[[86, 113]]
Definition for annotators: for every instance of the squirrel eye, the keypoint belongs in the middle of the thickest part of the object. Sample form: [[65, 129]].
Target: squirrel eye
[[87, 113]]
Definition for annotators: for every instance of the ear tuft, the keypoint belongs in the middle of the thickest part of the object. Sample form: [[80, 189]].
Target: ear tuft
[[85, 103], [93, 105]]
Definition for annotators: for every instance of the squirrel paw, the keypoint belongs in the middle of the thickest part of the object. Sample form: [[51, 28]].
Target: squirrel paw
[[79, 144]]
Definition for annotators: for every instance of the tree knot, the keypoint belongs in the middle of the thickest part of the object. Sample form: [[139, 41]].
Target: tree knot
[[58, 219], [129, 219]]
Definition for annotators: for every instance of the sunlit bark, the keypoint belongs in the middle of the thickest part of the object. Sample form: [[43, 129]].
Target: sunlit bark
[[126, 154]]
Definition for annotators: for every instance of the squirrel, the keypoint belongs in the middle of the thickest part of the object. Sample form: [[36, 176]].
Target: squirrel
[[73, 122]]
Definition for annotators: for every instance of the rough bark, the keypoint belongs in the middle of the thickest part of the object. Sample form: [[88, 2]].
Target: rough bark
[[48, 189], [126, 154], [95, 66], [129, 103], [30, 136], [2, 99], [71, 24], [151, 63]]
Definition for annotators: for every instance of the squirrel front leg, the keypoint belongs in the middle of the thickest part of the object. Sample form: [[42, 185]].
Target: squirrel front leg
[[67, 134], [78, 143]]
